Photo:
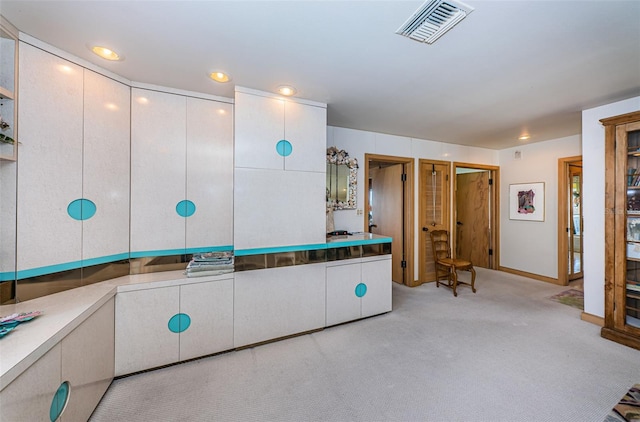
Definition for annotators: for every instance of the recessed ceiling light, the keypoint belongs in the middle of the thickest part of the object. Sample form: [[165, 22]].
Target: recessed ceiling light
[[287, 90], [524, 137], [106, 53], [221, 77]]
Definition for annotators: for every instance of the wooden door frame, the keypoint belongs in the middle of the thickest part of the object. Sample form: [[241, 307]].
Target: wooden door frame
[[408, 195], [494, 173], [563, 194]]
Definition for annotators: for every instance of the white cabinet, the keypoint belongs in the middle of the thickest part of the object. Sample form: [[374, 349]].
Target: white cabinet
[[278, 302], [50, 167], [181, 173], [158, 166], [88, 362], [280, 166], [159, 326], [29, 397], [68, 380], [105, 168], [357, 288], [262, 121]]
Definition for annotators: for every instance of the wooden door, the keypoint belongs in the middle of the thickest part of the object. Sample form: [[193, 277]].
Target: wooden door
[[574, 223], [473, 222], [387, 211], [433, 211]]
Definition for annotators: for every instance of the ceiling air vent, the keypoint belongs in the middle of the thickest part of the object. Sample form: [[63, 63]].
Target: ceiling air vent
[[433, 19]]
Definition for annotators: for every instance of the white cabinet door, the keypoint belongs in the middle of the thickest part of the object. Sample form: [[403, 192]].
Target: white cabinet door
[[209, 173], [259, 126], [88, 362], [106, 168], [50, 170], [29, 397], [376, 275], [306, 130], [278, 302], [143, 337], [293, 205], [158, 165], [342, 302], [209, 306]]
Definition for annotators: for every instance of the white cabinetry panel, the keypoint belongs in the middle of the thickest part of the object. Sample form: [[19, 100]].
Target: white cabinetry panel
[[143, 338], [88, 362], [278, 208], [106, 166], [278, 302], [210, 307], [259, 125], [209, 173], [306, 130], [50, 168], [29, 397], [342, 303], [158, 164], [376, 274]]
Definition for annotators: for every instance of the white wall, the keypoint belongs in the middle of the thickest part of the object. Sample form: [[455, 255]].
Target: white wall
[[593, 205], [532, 246], [359, 142]]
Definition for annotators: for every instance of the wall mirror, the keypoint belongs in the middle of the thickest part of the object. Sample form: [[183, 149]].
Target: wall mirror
[[342, 172]]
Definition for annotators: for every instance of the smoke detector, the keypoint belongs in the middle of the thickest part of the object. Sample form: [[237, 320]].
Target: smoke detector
[[433, 19]]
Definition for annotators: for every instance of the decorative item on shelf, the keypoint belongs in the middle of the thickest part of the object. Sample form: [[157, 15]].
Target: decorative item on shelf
[[342, 179], [210, 263], [5, 139], [9, 322]]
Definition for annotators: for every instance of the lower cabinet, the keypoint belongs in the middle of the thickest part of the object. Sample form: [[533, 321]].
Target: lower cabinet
[[66, 383], [278, 302], [159, 326], [358, 288]]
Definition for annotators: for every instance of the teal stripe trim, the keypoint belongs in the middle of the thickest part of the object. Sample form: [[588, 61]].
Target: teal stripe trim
[[8, 275], [104, 259], [278, 249], [183, 251], [358, 242]]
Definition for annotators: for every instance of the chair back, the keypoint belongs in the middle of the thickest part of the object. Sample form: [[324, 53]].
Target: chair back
[[440, 245]]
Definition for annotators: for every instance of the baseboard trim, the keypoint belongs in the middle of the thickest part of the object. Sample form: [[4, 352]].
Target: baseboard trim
[[531, 275], [594, 319]]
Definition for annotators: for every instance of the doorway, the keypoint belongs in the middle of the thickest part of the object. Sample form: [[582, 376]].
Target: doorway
[[476, 222], [389, 209], [570, 223]]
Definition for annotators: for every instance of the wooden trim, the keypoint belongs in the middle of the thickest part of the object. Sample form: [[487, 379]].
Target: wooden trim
[[409, 218], [609, 223], [621, 119], [563, 209], [620, 337], [529, 275], [594, 319], [495, 206]]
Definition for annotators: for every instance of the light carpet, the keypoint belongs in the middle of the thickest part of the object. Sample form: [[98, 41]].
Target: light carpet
[[506, 353]]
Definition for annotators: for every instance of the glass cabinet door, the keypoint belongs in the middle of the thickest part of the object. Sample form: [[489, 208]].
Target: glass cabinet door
[[632, 291]]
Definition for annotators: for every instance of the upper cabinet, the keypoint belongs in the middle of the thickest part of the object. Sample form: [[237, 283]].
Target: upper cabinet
[[181, 174], [279, 134], [622, 228], [8, 92]]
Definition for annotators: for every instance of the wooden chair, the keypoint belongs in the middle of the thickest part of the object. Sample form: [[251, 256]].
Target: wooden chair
[[447, 267]]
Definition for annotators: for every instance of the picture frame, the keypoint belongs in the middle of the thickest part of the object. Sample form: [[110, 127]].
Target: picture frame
[[526, 201]]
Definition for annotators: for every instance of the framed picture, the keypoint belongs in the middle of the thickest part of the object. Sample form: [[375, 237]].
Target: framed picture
[[526, 201]]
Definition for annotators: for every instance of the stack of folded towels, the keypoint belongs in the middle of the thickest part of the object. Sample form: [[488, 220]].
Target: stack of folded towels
[[210, 263]]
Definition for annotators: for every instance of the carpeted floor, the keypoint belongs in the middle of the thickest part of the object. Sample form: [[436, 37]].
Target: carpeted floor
[[506, 353]]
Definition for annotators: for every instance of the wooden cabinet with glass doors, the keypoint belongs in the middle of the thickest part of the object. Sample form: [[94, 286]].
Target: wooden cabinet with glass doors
[[622, 229]]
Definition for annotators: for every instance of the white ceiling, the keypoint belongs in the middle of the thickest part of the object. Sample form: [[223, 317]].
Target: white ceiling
[[509, 67]]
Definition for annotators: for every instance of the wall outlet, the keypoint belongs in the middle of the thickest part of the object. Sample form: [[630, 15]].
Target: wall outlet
[[359, 212]]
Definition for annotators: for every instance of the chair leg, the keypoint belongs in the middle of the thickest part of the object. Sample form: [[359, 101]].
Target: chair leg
[[473, 279], [454, 275]]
